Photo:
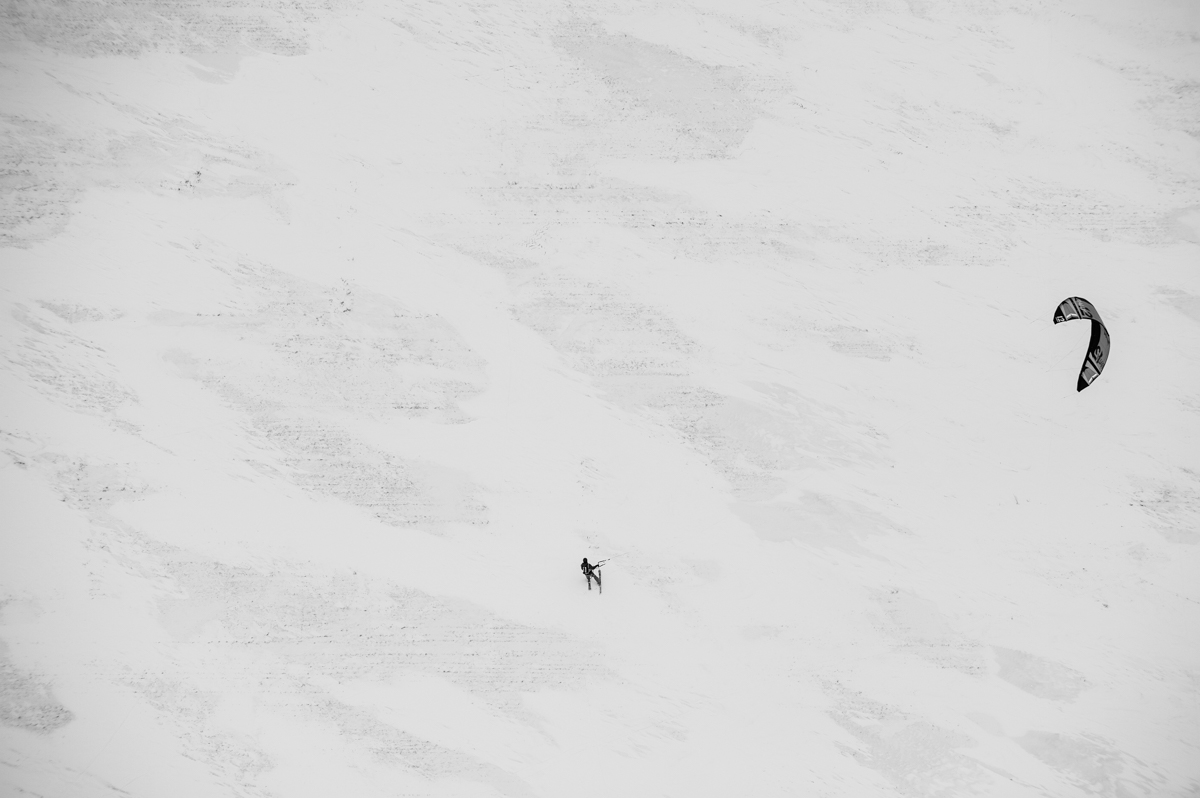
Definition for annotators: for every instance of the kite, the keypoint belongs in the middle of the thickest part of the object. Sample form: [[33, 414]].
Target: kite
[[1097, 354]]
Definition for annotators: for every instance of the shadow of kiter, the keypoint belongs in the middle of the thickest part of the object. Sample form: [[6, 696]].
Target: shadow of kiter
[[591, 572]]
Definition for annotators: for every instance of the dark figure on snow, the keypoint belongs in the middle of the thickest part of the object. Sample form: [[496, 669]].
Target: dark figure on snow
[[590, 572]]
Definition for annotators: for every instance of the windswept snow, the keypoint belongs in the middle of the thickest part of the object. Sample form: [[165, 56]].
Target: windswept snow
[[335, 334]]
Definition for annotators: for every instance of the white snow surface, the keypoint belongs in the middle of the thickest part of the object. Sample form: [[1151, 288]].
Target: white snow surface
[[335, 334]]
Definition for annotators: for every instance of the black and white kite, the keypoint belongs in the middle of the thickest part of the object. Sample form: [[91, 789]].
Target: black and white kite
[[1097, 354]]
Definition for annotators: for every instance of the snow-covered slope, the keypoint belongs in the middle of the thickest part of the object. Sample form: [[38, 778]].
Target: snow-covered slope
[[336, 334]]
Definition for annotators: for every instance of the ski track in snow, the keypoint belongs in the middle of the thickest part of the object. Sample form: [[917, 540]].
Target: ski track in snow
[[334, 334]]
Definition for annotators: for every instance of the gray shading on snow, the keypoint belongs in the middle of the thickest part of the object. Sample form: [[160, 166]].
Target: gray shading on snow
[[35, 187], [852, 340], [577, 194], [621, 96], [986, 722], [299, 629], [1185, 303], [815, 520], [344, 352], [189, 713], [1038, 676], [74, 313], [1184, 223], [394, 746], [919, 627], [93, 487], [708, 570], [857, 342], [138, 27], [918, 757], [27, 702], [662, 578], [346, 628], [1176, 105], [48, 167], [327, 459], [1092, 764], [184, 161], [755, 445], [1174, 509], [1035, 203], [671, 103], [603, 333], [877, 253], [276, 629], [349, 349], [65, 367]]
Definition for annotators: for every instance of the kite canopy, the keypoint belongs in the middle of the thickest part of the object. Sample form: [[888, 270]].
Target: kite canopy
[[1097, 354]]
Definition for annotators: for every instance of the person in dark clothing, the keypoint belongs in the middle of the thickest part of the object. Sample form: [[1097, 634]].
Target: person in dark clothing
[[591, 572]]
